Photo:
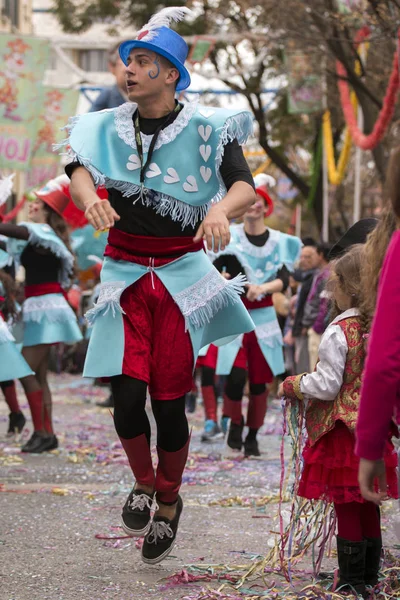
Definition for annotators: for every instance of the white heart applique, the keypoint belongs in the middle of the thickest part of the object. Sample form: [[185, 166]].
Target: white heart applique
[[206, 112], [133, 162], [205, 132], [205, 152], [154, 170], [206, 173], [190, 184], [269, 266], [259, 273], [172, 176]]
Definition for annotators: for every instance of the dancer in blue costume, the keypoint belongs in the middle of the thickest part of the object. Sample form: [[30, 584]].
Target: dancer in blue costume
[[266, 256], [12, 364], [42, 248], [176, 174]]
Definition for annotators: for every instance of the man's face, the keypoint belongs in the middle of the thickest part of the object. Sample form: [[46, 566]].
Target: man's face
[[119, 70], [147, 75], [256, 210], [308, 258]]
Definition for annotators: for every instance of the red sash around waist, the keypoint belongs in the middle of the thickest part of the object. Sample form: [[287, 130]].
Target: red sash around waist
[[125, 246], [40, 289]]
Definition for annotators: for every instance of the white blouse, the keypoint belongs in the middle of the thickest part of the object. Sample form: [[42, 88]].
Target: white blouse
[[325, 382]]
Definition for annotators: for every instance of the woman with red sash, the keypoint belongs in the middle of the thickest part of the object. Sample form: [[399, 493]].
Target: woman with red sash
[[41, 246]]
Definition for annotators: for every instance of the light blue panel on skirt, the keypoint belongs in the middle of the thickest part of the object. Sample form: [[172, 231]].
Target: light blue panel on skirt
[[227, 355], [45, 332], [12, 363], [106, 349], [269, 337]]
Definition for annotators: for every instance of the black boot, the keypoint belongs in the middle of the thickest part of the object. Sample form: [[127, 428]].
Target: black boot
[[373, 560], [235, 440], [351, 558]]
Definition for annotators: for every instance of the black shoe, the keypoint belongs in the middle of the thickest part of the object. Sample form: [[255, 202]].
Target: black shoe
[[373, 556], [136, 513], [235, 434], [31, 442], [40, 442], [16, 423], [351, 558], [160, 540], [251, 447], [191, 400], [107, 403]]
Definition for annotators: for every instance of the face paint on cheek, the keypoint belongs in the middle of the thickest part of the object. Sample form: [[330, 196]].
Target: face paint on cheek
[[154, 74]]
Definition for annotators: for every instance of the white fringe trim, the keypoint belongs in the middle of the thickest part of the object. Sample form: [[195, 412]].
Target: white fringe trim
[[202, 300], [53, 309], [236, 127], [108, 300], [270, 334]]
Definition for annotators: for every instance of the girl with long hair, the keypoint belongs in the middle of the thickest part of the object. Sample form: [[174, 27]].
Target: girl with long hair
[[332, 393], [42, 247]]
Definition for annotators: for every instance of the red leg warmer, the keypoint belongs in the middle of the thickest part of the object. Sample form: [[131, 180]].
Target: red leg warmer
[[233, 409], [138, 452], [257, 410], [210, 402], [169, 473]]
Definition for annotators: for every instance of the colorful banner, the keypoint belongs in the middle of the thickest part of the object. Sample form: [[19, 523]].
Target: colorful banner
[[304, 83], [23, 61], [58, 105]]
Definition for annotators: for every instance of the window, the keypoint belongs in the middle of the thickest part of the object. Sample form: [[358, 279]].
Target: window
[[10, 9], [93, 60]]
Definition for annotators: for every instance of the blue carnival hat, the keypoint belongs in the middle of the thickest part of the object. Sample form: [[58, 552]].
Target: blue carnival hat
[[158, 37]]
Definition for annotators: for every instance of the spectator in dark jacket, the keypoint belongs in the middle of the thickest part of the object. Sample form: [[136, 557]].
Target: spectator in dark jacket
[[115, 95]]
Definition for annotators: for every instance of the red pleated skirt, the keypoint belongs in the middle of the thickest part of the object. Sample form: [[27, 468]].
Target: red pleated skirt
[[330, 470]]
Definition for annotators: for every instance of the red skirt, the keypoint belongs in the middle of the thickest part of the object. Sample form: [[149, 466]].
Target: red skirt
[[330, 470]]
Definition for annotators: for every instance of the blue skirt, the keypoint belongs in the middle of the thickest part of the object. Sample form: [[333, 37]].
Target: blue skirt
[[12, 364], [49, 319]]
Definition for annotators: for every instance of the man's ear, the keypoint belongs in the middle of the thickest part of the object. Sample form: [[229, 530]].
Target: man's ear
[[173, 76]]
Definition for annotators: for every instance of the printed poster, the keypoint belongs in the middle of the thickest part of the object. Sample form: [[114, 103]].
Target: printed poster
[[23, 61], [58, 105]]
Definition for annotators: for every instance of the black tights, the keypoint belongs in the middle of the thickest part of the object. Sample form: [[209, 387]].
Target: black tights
[[131, 420], [235, 383]]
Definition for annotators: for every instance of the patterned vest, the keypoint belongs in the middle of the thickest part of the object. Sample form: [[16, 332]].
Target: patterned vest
[[321, 416]]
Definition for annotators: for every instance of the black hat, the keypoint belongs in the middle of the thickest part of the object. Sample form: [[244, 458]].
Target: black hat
[[356, 234]]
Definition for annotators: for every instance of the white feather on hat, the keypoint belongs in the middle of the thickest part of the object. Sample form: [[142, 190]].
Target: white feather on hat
[[264, 180], [163, 19], [6, 186]]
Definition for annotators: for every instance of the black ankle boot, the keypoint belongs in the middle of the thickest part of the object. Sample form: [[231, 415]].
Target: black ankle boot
[[373, 560], [351, 558]]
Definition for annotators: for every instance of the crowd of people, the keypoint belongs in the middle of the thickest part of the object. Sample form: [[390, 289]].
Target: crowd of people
[[191, 277]]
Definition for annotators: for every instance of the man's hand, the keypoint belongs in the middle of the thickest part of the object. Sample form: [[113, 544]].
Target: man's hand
[[100, 214], [254, 292], [368, 472], [214, 229]]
